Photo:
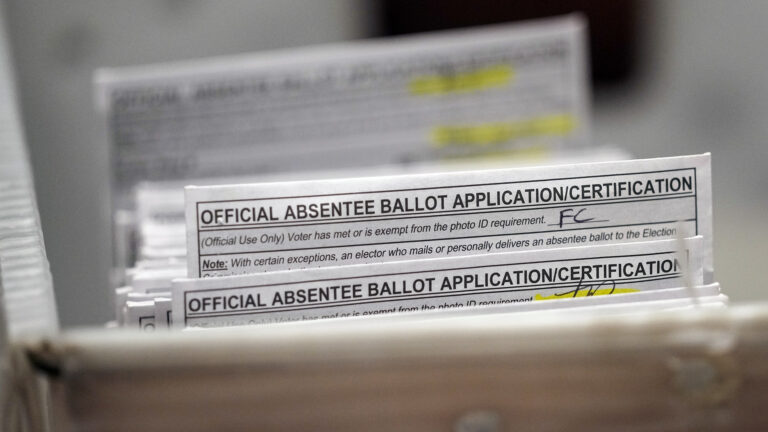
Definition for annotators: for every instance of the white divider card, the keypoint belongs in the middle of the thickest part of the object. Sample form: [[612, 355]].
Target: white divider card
[[140, 315], [434, 284], [242, 229], [163, 318], [496, 89]]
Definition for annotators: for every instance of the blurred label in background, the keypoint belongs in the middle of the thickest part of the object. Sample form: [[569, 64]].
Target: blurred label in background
[[506, 91]]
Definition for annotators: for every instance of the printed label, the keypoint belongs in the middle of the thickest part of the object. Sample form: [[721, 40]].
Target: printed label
[[244, 229], [435, 284]]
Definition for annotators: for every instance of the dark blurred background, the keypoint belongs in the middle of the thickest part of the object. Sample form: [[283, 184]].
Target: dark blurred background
[[669, 77], [614, 25]]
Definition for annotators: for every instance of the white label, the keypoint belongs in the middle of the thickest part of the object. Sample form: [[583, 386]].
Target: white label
[[436, 284], [625, 303], [244, 229], [499, 89]]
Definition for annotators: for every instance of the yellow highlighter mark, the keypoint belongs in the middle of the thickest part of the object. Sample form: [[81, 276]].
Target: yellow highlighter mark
[[586, 293], [478, 79], [485, 134]]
